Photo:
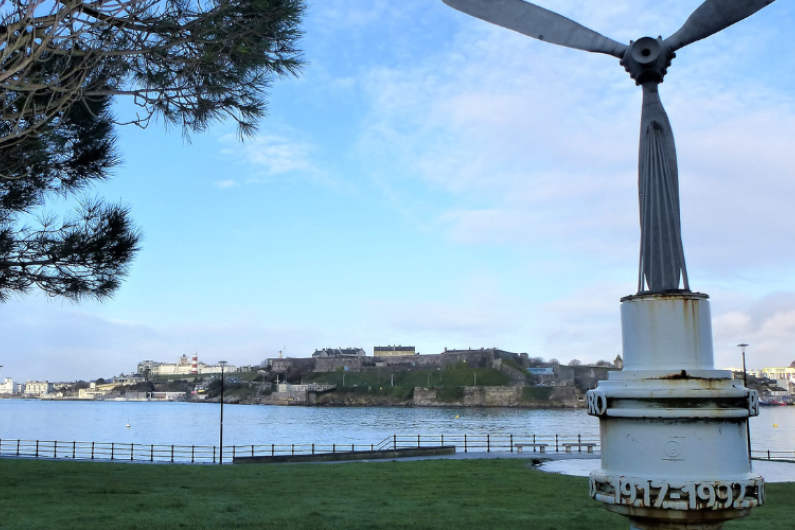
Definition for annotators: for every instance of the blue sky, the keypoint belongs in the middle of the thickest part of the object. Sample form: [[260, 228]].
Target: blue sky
[[437, 181]]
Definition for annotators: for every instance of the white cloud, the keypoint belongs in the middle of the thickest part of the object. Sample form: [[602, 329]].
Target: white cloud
[[287, 156], [533, 142], [66, 342], [767, 324], [224, 184]]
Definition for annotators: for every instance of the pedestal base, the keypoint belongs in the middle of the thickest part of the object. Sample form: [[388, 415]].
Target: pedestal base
[[673, 429]]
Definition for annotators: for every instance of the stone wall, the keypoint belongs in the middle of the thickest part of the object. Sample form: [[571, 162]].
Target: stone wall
[[584, 376], [289, 397], [474, 396], [284, 364], [473, 359], [492, 396]]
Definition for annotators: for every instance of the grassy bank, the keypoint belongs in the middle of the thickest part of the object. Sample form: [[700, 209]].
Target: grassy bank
[[424, 378], [469, 494]]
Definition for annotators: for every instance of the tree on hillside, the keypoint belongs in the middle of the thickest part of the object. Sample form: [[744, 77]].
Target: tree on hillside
[[186, 63]]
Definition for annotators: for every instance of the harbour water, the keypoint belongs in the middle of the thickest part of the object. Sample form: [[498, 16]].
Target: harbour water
[[197, 423]]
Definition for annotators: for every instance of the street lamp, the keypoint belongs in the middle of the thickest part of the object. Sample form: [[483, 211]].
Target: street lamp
[[742, 347], [221, 445]]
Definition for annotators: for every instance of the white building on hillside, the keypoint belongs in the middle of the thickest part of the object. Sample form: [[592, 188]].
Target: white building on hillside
[[9, 387], [37, 388], [183, 366], [94, 391]]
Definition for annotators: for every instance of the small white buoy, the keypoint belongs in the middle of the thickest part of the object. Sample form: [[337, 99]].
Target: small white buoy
[[128, 424]]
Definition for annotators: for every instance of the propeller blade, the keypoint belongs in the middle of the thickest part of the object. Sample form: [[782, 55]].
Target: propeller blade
[[539, 23], [711, 17]]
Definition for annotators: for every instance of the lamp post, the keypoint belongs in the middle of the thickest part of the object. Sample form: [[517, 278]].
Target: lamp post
[[221, 445], [742, 347]]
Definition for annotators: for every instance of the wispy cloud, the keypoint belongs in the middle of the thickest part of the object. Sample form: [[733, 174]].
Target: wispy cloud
[[534, 142], [224, 184], [273, 154]]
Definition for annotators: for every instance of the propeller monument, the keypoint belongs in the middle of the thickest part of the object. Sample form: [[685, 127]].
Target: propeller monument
[[675, 445]]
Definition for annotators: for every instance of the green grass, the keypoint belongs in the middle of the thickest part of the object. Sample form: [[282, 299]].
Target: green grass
[[533, 394], [435, 378], [467, 494]]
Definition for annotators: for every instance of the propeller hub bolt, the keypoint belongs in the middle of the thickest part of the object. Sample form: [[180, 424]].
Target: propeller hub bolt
[[647, 59]]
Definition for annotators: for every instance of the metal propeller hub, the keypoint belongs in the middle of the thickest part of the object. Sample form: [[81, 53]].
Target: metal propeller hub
[[647, 60]]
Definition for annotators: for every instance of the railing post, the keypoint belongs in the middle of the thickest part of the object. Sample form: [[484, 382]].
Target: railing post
[[37, 448], [579, 441], [333, 448], [768, 454], [418, 440], [252, 449], [488, 443], [213, 454], [273, 449], [192, 453], [465, 443], [17, 447], [442, 441], [151, 452], [511, 443], [234, 447], [112, 444], [292, 449], [394, 441], [55, 449], [132, 451], [172, 453], [92, 450], [556, 443], [313, 448], [74, 444]]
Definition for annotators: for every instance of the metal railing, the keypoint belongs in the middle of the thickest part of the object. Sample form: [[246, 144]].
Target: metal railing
[[205, 454], [772, 455], [208, 454]]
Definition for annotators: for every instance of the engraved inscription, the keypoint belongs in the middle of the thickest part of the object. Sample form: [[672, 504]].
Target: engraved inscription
[[685, 495], [753, 403], [597, 403]]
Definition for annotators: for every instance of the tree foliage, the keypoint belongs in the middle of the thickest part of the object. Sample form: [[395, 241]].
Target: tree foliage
[[187, 63]]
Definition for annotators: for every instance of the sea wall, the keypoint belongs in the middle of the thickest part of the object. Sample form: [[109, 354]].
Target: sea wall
[[498, 396]]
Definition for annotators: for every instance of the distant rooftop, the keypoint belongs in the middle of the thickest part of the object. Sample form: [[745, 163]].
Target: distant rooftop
[[393, 348]]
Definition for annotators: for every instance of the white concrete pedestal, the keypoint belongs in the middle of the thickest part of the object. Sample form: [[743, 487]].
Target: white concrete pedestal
[[673, 429]]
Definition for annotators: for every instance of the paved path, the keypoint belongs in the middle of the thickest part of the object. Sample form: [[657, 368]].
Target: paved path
[[581, 464], [771, 470]]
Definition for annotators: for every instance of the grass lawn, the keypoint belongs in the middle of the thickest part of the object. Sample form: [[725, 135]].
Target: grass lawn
[[464, 494]]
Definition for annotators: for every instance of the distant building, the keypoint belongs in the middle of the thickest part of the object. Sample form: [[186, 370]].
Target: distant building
[[95, 391], [544, 375], [131, 379], [393, 351], [37, 388], [168, 396], [782, 376], [9, 387], [339, 352], [618, 362], [183, 366]]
